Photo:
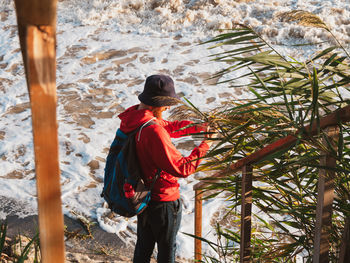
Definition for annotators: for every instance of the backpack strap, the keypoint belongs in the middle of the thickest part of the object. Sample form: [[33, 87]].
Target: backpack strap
[[147, 123], [139, 129], [155, 178]]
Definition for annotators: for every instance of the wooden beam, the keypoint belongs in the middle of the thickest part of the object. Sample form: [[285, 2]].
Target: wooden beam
[[325, 197], [344, 254], [246, 213], [198, 225], [36, 13], [37, 32]]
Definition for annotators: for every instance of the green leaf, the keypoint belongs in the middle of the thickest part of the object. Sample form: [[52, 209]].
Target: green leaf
[[26, 250], [3, 230], [228, 36], [323, 53]]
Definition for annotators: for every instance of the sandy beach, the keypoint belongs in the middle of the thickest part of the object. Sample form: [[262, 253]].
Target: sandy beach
[[80, 246], [105, 50]]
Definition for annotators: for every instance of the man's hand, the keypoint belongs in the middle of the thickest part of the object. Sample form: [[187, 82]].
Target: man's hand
[[211, 134], [202, 127]]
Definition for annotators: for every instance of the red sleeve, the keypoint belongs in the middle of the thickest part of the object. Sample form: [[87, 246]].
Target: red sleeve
[[174, 128], [169, 159]]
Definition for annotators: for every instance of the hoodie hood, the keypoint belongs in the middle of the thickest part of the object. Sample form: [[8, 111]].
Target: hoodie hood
[[132, 118]]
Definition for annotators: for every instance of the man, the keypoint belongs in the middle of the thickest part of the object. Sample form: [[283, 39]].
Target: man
[[160, 222]]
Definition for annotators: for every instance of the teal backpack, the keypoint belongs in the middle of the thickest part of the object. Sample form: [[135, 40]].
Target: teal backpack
[[124, 189]]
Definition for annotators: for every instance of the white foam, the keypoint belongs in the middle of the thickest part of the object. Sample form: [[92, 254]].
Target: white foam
[[168, 33]]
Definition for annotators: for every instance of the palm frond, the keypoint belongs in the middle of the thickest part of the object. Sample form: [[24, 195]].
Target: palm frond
[[288, 96]]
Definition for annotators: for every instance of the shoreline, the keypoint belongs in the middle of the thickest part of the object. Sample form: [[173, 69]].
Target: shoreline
[[100, 247]]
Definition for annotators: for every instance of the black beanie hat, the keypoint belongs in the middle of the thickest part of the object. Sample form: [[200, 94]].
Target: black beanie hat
[[159, 91]]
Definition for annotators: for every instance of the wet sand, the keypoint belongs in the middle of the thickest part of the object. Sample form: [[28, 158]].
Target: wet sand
[[102, 247]]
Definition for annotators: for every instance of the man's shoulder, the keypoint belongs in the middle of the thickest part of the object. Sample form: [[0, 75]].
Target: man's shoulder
[[155, 129], [154, 126]]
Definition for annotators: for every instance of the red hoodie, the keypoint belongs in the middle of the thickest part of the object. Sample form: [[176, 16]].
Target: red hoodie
[[155, 150]]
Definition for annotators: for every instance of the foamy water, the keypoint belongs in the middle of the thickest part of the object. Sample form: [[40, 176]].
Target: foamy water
[[105, 50]]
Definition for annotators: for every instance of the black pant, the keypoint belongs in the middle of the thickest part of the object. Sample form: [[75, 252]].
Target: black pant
[[159, 223]]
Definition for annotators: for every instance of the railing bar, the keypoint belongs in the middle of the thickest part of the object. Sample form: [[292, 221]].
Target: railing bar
[[198, 225], [332, 119], [246, 211], [344, 254], [325, 197]]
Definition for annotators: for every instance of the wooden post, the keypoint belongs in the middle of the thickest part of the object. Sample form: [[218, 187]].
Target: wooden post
[[344, 254], [246, 212], [37, 31], [198, 224], [325, 196]]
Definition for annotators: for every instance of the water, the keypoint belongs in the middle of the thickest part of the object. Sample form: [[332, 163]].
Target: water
[[105, 50]]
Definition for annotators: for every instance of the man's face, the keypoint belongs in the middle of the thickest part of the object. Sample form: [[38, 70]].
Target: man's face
[[157, 111]]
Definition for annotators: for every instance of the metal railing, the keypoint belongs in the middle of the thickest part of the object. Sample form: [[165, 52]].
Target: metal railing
[[325, 190]]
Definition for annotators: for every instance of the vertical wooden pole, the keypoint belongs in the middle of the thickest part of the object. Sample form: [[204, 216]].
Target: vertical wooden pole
[[344, 255], [37, 32], [198, 225], [325, 196], [246, 212]]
